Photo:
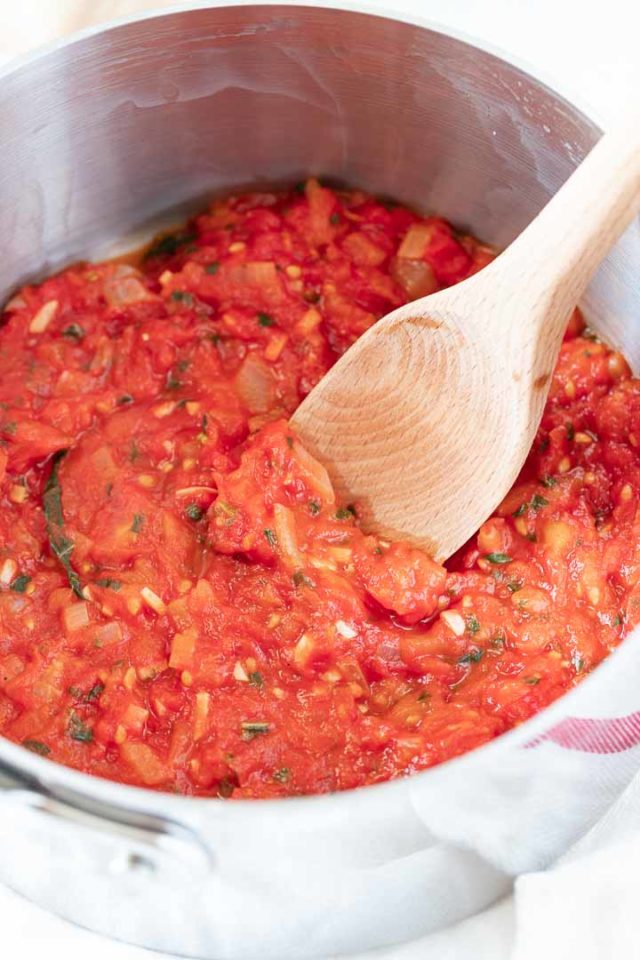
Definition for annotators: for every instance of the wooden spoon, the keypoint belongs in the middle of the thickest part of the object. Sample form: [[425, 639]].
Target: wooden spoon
[[426, 421]]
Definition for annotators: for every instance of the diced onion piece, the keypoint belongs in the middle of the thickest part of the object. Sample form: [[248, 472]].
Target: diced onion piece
[[8, 571], [255, 384], [415, 242], [43, 317], [315, 472], [303, 650], [341, 554], [308, 321], [148, 766], [164, 409], [363, 250], [416, 277], [152, 600], [18, 493], [108, 633], [275, 346], [125, 287], [345, 630], [352, 672], [16, 303], [134, 718], [195, 491], [258, 273], [75, 617], [285, 527], [182, 648], [201, 714], [454, 621], [240, 673]]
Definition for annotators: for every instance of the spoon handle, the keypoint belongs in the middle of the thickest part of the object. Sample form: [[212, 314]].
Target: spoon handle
[[550, 264]]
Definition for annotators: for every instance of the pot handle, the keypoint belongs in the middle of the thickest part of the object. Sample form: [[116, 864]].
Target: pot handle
[[140, 841]]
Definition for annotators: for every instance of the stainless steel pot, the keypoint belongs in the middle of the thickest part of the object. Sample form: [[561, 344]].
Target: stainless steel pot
[[101, 134]]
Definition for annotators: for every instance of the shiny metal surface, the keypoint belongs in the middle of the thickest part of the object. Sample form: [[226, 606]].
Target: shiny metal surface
[[98, 138]]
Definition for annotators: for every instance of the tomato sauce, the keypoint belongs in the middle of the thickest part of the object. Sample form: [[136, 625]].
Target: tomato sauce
[[184, 605]]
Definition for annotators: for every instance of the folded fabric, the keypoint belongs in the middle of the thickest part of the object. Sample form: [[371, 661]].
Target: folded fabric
[[586, 906]]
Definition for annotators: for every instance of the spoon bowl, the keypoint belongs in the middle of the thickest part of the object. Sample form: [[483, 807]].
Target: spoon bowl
[[428, 418]]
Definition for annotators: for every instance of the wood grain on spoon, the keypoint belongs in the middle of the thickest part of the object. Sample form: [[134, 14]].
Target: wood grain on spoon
[[426, 421]]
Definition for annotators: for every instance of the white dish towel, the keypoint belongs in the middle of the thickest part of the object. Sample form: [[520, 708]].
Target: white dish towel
[[587, 905]]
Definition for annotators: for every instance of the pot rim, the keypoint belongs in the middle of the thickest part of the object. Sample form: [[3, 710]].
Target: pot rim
[[182, 808]]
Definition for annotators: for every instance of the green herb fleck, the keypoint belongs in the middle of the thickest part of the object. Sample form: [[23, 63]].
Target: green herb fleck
[[473, 624], [473, 656], [618, 621], [95, 692], [109, 583], [570, 431], [173, 383], [78, 730], [334, 219], [346, 513], [134, 452], [61, 546], [251, 729], [498, 558], [194, 512], [282, 775], [138, 522], [74, 331], [265, 320], [9, 427], [314, 507], [36, 746], [124, 399], [538, 501], [256, 678], [532, 681], [20, 583], [548, 482], [514, 585], [168, 245], [182, 296], [424, 697], [521, 509], [212, 267], [290, 441], [271, 538]]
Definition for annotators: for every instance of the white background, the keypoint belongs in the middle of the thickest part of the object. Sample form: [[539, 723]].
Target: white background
[[591, 49]]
